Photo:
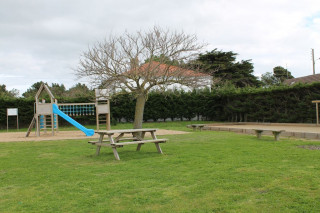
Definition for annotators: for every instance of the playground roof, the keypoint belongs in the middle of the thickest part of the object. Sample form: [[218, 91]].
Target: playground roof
[[41, 89]]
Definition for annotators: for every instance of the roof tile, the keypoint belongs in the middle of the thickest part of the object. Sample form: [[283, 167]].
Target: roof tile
[[304, 79]]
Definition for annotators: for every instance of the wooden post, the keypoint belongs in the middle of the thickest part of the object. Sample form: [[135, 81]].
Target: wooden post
[[317, 113], [31, 126], [158, 148], [99, 142], [114, 149], [153, 135], [52, 123], [97, 117], [116, 155], [313, 62], [317, 110], [139, 146], [44, 123], [17, 122], [37, 126], [108, 117]]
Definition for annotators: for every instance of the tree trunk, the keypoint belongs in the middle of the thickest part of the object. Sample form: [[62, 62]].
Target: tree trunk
[[138, 116]]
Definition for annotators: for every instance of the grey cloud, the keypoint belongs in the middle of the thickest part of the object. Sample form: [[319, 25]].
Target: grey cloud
[[42, 40]]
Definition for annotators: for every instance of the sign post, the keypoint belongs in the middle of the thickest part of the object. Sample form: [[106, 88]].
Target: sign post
[[12, 112]]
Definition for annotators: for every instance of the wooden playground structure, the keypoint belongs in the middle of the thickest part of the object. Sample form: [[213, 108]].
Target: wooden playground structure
[[46, 117], [317, 110]]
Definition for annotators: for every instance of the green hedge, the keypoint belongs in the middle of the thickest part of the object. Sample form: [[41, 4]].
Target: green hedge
[[278, 104]]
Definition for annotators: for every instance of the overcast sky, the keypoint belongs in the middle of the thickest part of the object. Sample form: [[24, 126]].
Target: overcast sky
[[42, 40]]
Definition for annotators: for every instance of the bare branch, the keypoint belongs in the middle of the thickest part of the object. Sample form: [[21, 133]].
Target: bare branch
[[116, 62]]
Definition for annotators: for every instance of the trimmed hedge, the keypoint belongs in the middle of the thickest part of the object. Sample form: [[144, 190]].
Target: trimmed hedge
[[279, 104]]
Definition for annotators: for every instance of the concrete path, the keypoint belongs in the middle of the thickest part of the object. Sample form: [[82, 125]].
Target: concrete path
[[307, 131]]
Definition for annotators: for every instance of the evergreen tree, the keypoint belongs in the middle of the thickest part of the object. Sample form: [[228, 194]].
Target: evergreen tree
[[268, 79], [79, 90], [5, 93], [278, 76], [58, 90], [223, 66], [281, 73], [31, 92]]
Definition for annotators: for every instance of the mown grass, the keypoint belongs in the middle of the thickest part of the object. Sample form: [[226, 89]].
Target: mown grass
[[198, 172]]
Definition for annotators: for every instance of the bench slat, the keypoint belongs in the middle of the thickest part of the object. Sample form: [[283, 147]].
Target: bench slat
[[142, 142], [93, 142], [121, 139], [130, 142], [124, 131]]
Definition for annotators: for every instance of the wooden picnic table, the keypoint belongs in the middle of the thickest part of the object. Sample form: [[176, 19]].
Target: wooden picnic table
[[136, 137]]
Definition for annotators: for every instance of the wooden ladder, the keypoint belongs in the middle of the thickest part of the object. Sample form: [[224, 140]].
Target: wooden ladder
[[31, 126]]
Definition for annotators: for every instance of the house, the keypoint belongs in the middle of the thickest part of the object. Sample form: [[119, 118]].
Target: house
[[155, 71], [304, 79]]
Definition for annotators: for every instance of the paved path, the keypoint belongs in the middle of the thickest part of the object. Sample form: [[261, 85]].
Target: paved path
[[308, 129], [291, 130]]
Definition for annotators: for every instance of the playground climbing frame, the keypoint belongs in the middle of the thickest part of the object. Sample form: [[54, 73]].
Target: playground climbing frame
[[45, 118]]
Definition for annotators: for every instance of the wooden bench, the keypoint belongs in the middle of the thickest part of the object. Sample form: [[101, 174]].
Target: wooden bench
[[197, 126], [276, 133], [137, 138]]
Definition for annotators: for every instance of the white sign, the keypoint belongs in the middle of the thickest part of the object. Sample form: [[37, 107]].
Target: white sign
[[12, 111]]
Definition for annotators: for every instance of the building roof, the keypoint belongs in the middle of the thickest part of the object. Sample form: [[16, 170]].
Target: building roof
[[304, 79], [159, 69]]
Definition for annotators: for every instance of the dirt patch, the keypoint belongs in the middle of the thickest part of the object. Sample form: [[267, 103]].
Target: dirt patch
[[64, 135], [311, 147]]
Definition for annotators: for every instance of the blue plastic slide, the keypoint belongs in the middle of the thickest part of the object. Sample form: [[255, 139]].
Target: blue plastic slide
[[56, 110]]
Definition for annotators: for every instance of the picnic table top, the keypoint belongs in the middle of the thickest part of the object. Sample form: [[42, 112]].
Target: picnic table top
[[124, 131]]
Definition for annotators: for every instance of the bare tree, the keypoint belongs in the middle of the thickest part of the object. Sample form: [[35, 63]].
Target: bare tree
[[141, 61]]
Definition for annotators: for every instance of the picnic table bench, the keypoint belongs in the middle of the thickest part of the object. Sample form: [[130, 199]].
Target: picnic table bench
[[276, 133], [137, 137], [197, 126]]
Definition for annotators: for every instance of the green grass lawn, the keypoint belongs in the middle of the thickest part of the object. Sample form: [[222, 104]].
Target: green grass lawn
[[198, 172]]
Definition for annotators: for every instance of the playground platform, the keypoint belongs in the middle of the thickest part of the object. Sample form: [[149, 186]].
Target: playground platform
[[292, 130]]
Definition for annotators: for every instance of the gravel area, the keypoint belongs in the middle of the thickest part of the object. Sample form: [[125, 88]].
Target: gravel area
[[311, 147]]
